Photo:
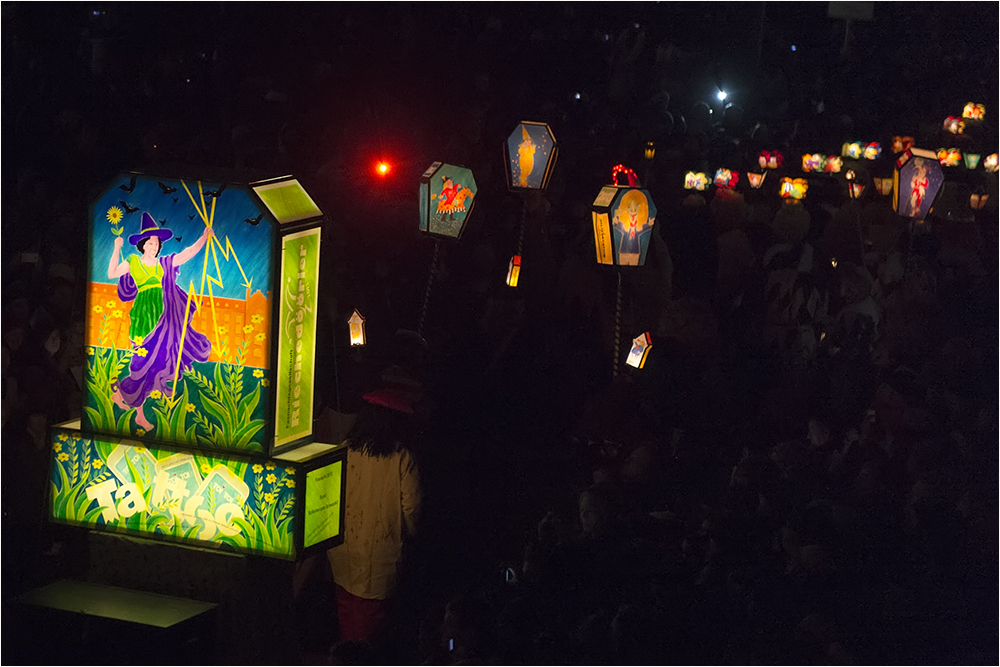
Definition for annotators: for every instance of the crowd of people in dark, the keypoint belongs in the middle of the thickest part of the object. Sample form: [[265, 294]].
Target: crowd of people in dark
[[805, 469]]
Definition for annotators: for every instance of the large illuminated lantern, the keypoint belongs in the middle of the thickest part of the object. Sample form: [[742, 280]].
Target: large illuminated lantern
[[530, 153], [198, 389], [447, 195], [916, 182], [623, 222]]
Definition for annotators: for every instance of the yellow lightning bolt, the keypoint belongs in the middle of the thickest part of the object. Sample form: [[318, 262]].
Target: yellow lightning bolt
[[208, 217]]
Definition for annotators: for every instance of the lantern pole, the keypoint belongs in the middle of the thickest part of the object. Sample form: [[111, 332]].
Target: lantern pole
[[427, 291], [618, 323]]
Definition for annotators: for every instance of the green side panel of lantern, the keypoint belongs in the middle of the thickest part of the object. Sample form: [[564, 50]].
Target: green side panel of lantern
[[287, 200], [531, 153], [296, 356], [195, 497], [217, 392], [323, 466], [447, 196]]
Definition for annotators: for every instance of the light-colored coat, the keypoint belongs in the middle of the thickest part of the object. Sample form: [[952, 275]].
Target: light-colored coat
[[383, 503]]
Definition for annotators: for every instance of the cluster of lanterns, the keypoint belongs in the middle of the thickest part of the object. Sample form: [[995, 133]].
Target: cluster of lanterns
[[623, 214], [857, 150]]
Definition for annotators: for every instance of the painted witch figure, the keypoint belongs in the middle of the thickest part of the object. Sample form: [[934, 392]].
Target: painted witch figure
[[157, 324]]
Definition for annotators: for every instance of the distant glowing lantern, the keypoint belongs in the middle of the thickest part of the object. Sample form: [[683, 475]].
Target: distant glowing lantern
[[883, 185], [695, 181], [872, 151], [447, 195], [854, 150], [618, 169], [382, 168], [623, 223], [954, 125], [833, 164], [530, 153], [849, 175], [794, 188], [356, 323], [900, 144], [812, 162], [949, 157], [650, 151], [756, 180], [640, 351], [916, 183], [856, 189], [513, 270], [726, 178], [972, 160], [990, 163], [974, 111], [770, 159], [977, 200]]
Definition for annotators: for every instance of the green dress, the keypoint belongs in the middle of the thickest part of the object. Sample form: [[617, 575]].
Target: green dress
[[148, 304]]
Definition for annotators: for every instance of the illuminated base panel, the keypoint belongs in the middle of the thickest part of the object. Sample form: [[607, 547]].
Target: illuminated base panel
[[197, 497]]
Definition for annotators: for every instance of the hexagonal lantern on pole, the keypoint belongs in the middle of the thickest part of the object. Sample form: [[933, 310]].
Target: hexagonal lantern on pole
[[530, 154], [623, 219], [916, 182], [447, 195]]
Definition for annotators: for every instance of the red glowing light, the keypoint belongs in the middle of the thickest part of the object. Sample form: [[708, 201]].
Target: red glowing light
[[382, 168]]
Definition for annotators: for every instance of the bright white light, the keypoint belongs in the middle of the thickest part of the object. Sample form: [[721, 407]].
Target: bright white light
[[721, 95], [793, 47], [577, 96]]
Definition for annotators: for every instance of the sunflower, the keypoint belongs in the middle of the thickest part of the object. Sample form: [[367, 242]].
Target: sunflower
[[258, 468], [265, 382], [156, 392], [271, 479], [110, 304], [260, 337], [290, 483], [98, 308], [190, 407], [248, 328], [114, 215], [258, 373], [256, 319], [97, 463], [205, 468]]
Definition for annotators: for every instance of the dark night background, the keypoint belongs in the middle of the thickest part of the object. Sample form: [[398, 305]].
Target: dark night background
[[526, 413]]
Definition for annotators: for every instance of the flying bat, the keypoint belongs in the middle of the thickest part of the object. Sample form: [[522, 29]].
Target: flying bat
[[215, 193], [128, 209], [254, 221], [191, 217], [163, 223], [175, 199], [130, 188], [166, 190]]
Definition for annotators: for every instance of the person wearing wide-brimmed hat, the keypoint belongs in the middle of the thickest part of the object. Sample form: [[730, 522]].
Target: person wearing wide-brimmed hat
[[156, 318]]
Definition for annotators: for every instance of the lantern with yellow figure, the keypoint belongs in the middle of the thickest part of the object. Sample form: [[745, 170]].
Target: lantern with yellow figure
[[990, 163], [696, 180], [756, 180], [949, 157], [954, 125], [530, 154], [623, 222]]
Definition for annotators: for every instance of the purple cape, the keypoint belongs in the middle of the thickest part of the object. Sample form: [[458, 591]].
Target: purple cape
[[156, 369]]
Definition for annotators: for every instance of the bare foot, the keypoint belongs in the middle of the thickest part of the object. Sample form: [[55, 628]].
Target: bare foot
[[141, 421], [119, 401]]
